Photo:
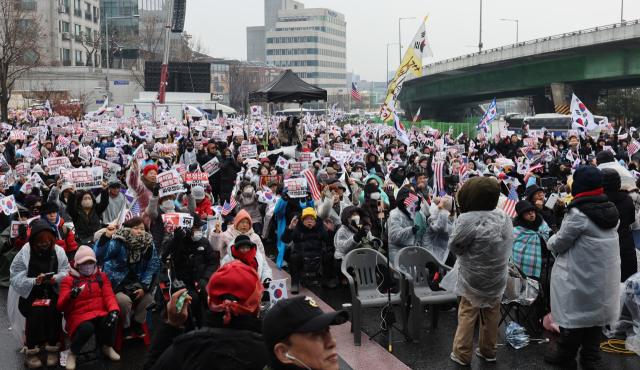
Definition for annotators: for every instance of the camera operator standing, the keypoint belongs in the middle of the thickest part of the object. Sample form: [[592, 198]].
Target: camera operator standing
[[288, 132], [585, 278]]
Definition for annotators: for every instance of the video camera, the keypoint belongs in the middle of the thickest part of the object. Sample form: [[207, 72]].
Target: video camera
[[451, 183]]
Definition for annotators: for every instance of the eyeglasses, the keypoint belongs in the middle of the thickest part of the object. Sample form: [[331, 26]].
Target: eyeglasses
[[530, 210]]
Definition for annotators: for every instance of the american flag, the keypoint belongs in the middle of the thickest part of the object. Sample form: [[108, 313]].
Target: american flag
[[53, 154], [415, 118], [354, 88], [153, 104], [63, 140], [510, 205], [313, 184], [229, 207], [493, 152], [134, 211], [464, 175], [436, 134], [438, 179], [411, 200], [633, 147], [182, 168]]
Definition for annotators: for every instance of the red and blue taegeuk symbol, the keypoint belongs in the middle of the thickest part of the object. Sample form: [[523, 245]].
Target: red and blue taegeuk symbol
[[277, 293], [582, 107]]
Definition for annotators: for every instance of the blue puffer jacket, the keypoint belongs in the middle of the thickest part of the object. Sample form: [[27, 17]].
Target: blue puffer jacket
[[279, 212], [114, 257], [102, 147]]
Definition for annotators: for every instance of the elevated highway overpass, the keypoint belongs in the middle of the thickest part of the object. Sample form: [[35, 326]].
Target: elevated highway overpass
[[545, 70]]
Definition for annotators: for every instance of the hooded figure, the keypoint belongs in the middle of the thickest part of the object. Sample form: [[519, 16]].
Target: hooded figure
[[441, 223], [482, 240], [372, 163], [355, 227], [585, 281], [403, 231], [398, 175], [85, 212], [379, 184], [627, 215], [531, 233], [251, 257]]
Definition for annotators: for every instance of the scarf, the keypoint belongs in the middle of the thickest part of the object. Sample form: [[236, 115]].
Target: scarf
[[235, 232], [248, 258], [54, 226], [592, 192], [137, 245], [148, 184]]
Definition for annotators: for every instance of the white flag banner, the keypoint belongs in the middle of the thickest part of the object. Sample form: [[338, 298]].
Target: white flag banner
[[401, 134], [278, 290], [581, 117]]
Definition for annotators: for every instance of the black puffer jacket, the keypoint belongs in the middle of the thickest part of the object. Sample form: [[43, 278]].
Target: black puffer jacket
[[229, 169], [193, 262], [627, 214], [308, 242], [86, 224], [217, 346], [598, 208]]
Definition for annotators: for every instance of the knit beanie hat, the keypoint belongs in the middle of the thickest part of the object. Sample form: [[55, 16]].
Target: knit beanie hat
[[586, 178], [309, 211], [237, 279], [84, 254], [479, 194], [30, 200], [241, 216], [446, 202], [243, 240], [605, 156], [149, 167], [611, 180]]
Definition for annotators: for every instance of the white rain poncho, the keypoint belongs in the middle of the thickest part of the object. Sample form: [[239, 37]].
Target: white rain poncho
[[482, 240], [401, 235], [585, 280], [439, 228]]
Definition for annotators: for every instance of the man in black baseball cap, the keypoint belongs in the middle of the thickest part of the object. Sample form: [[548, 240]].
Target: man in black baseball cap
[[296, 332]]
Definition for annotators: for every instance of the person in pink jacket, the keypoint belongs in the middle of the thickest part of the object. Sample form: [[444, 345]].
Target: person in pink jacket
[[242, 225], [143, 186]]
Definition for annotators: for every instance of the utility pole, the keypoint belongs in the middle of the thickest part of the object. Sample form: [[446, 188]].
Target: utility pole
[[480, 43]]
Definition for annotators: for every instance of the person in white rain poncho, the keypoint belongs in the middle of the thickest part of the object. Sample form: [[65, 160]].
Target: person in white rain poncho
[[482, 240], [585, 280], [403, 231], [441, 223]]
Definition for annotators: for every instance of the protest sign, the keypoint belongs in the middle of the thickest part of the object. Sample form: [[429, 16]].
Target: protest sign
[[22, 169], [197, 179], [307, 157], [54, 164], [297, 188], [440, 156], [111, 152], [87, 178], [342, 147], [108, 168], [15, 225], [169, 183], [139, 154], [17, 134], [248, 151], [530, 142], [297, 167], [174, 220], [265, 180], [212, 166]]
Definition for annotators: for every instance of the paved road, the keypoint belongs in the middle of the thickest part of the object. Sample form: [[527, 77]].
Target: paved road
[[431, 353]]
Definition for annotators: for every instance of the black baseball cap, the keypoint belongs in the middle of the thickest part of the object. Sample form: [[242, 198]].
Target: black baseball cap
[[297, 315]]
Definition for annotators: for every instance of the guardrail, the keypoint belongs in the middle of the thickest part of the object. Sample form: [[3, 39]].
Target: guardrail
[[535, 41]]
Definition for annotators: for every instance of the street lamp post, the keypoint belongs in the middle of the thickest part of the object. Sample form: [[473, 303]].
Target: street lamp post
[[517, 26], [106, 27], [400, 38], [386, 78], [480, 42]]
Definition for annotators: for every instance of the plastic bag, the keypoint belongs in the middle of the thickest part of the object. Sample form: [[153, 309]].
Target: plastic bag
[[17, 321], [516, 336]]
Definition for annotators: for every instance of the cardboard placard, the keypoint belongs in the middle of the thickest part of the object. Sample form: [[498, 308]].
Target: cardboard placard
[[55, 163], [265, 180], [197, 179], [108, 168], [174, 220], [342, 147], [87, 178], [111, 152], [169, 183], [307, 157], [296, 188], [248, 151], [530, 142], [440, 156], [90, 136], [297, 167], [212, 166], [22, 169]]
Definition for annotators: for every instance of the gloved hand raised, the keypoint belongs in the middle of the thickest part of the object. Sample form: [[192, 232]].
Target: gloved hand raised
[[179, 234], [156, 190], [112, 318], [415, 229], [75, 292], [362, 232], [22, 231], [187, 188]]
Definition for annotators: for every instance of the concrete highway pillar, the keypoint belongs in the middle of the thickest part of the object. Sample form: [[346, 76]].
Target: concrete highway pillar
[[558, 97]]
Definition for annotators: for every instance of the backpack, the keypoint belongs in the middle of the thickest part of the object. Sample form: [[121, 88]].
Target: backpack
[[98, 279]]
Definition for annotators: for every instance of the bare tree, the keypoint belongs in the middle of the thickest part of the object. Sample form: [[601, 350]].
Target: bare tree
[[242, 80], [22, 39], [92, 44]]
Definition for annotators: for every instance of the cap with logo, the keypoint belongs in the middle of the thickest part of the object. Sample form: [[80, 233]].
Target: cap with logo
[[297, 315]]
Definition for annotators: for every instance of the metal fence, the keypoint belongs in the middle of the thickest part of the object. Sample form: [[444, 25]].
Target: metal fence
[[468, 127]]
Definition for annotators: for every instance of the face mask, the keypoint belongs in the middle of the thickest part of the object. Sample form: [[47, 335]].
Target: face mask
[[563, 195], [87, 270], [190, 150], [356, 219], [388, 158], [104, 141], [634, 196], [560, 148], [87, 203], [374, 196], [248, 191], [167, 204], [197, 235]]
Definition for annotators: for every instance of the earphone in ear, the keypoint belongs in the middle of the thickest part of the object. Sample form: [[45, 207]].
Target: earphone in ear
[[287, 355]]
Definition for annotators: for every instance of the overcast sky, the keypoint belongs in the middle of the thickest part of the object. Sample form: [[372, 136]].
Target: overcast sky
[[452, 26]]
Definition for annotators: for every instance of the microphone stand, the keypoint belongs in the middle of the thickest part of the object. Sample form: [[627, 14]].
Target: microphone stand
[[389, 317]]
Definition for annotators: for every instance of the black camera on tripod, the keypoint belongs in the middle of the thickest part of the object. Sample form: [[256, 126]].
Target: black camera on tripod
[[451, 183]]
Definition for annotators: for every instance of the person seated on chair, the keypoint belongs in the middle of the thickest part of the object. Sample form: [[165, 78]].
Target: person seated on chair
[[165, 204], [308, 237], [8, 247], [354, 233], [441, 222], [230, 326], [194, 261], [531, 234], [403, 229], [39, 292], [89, 305], [244, 249], [85, 211], [296, 332], [130, 260], [242, 225]]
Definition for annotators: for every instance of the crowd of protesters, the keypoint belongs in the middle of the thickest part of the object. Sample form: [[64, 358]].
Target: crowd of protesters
[[560, 209]]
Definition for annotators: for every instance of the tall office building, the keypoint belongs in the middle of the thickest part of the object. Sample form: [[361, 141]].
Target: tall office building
[[311, 42]]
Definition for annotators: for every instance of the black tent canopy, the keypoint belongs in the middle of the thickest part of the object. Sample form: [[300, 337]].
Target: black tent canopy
[[287, 88]]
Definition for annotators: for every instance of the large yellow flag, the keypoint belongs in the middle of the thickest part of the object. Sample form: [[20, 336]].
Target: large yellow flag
[[412, 62]]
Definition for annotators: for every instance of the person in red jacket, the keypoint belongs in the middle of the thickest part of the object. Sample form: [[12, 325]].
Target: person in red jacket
[[64, 236], [203, 204], [89, 306]]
